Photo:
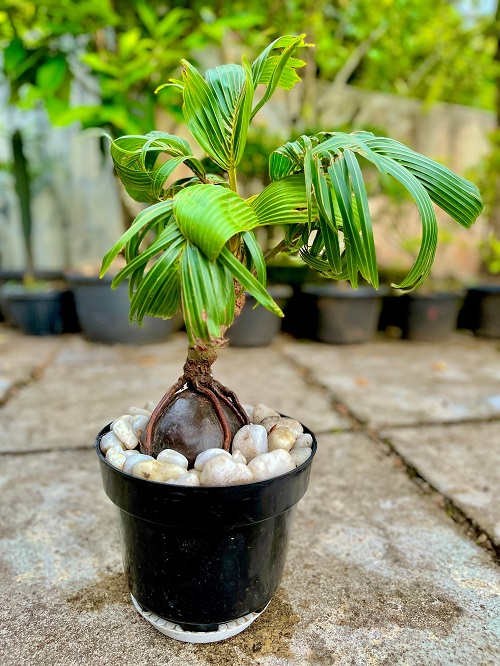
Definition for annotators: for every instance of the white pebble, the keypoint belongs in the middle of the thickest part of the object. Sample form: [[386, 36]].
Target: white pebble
[[125, 433], [238, 457], [223, 471], [269, 465], [123, 417], [300, 455], [152, 470], [251, 440], [206, 455], [139, 423], [195, 471], [174, 457], [260, 412], [110, 441], [130, 452], [271, 422], [133, 460], [281, 438], [249, 411], [150, 406], [115, 458], [188, 479], [304, 441], [138, 411]]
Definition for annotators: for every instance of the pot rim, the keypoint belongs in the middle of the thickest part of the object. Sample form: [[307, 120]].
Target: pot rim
[[332, 291], [221, 489]]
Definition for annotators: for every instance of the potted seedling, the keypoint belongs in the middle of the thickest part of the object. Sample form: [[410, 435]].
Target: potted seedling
[[205, 547], [36, 301]]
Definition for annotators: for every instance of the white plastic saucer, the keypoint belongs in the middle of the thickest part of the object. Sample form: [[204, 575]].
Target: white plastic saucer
[[172, 630]]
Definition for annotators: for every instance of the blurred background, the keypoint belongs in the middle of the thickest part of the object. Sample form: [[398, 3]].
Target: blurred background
[[425, 72]]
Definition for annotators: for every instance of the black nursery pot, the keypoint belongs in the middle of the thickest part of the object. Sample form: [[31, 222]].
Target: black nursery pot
[[429, 317], [39, 312], [204, 556], [256, 326], [345, 316], [481, 311], [103, 314]]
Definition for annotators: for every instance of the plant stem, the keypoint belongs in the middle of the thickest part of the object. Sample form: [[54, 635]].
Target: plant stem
[[232, 179], [275, 251]]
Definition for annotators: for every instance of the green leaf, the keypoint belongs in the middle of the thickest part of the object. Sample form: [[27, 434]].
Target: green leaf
[[170, 236], [256, 256], [135, 157], [363, 212], [277, 70], [455, 195], [423, 263], [248, 282], [152, 214], [217, 110], [51, 75], [355, 250], [207, 296], [309, 168], [158, 293], [209, 215], [283, 202]]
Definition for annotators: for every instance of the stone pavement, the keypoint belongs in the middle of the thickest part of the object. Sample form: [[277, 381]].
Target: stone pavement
[[394, 552]]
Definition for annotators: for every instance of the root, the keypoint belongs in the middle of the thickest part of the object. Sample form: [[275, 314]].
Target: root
[[198, 377], [231, 399]]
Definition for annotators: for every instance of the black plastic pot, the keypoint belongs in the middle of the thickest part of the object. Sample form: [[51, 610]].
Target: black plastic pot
[[103, 314], [481, 311], [256, 326], [429, 317], [38, 312], [203, 556], [344, 316]]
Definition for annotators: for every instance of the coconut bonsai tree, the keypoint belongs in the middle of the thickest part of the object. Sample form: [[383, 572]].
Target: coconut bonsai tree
[[204, 255]]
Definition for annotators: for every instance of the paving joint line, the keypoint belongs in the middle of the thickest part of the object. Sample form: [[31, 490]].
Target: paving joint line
[[340, 407], [34, 376], [469, 527], [83, 447]]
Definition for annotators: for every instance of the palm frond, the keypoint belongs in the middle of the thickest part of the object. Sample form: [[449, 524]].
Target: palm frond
[[209, 216], [277, 70], [135, 160], [217, 110], [333, 181]]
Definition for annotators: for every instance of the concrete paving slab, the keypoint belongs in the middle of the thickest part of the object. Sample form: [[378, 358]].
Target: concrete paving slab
[[376, 574], [21, 357], [396, 382], [89, 385], [462, 462]]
